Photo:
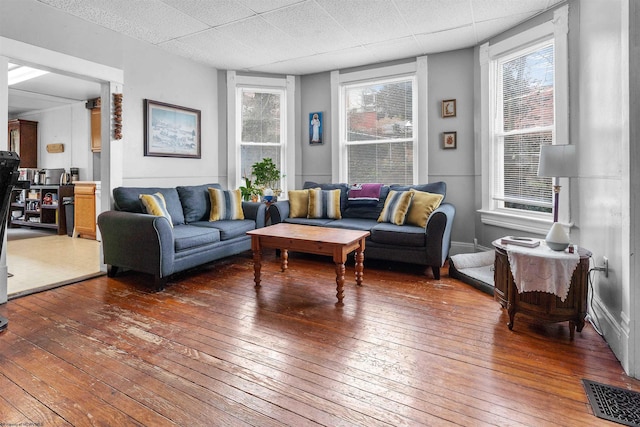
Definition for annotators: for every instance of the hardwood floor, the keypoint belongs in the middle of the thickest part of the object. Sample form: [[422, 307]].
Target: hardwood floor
[[212, 351]]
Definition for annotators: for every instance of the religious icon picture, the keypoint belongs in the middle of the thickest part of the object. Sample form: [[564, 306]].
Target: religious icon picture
[[315, 128]]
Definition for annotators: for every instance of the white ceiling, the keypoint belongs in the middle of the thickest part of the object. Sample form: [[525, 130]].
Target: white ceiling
[[304, 36]]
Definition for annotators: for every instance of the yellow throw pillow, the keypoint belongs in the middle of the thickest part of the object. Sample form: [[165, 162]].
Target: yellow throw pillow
[[324, 204], [154, 204], [422, 205], [225, 204], [395, 207], [298, 203]]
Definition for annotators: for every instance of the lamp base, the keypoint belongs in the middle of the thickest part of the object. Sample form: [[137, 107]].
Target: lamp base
[[556, 238]]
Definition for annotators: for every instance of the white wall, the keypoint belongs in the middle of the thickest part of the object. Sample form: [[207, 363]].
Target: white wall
[[603, 135], [69, 125]]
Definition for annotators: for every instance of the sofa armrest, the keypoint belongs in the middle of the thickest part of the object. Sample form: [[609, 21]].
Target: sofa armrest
[[256, 211], [140, 242], [438, 232], [279, 211]]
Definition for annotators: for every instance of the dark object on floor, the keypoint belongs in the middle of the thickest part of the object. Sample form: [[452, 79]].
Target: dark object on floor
[[9, 162], [475, 269], [613, 403]]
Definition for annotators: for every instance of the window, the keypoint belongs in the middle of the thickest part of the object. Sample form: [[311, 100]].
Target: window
[[261, 122], [377, 132], [524, 105], [524, 122]]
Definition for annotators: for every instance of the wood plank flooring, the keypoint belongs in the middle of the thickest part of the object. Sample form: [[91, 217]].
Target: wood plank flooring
[[404, 350]]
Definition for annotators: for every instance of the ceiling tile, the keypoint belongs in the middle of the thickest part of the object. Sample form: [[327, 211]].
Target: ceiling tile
[[484, 10], [261, 6], [430, 16], [487, 29], [447, 40], [405, 47], [267, 42], [312, 26], [212, 13], [368, 21]]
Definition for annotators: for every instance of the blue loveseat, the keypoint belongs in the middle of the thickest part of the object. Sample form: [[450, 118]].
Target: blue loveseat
[[427, 246], [149, 244]]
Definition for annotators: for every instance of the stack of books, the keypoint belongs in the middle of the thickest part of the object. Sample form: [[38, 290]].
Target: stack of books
[[527, 242]]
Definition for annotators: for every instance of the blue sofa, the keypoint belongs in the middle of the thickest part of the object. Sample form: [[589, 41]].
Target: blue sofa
[[428, 246], [149, 244]]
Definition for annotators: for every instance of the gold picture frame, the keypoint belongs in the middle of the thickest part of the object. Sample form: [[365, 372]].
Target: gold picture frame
[[448, 108]]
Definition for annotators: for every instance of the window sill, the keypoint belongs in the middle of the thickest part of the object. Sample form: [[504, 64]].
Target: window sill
[[527, 223]]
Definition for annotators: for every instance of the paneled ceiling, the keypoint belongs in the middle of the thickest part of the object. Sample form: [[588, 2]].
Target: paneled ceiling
[[284, 36], [304, 36]]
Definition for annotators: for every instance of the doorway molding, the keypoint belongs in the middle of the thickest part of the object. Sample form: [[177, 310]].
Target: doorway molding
[[111, 81]]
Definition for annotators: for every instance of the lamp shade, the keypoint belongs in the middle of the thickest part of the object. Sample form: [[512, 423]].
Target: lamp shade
[[557, 160]]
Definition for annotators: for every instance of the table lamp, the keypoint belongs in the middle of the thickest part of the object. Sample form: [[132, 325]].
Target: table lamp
[[557, 161]]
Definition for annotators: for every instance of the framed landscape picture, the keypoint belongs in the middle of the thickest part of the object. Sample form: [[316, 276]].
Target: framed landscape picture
[[170, 130]]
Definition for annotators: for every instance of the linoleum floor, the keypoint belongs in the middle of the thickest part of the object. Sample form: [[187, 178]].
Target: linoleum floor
[[47, 262]]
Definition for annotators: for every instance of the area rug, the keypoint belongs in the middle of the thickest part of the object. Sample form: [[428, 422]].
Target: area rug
[[613, 403]]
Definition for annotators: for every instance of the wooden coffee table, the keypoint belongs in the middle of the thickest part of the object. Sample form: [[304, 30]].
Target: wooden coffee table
[[337, 242]]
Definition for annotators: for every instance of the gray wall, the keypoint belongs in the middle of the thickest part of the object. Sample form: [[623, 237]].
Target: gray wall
[[450, 76]]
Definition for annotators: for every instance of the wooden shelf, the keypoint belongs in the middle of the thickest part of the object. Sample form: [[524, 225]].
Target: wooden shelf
[[50, 216]]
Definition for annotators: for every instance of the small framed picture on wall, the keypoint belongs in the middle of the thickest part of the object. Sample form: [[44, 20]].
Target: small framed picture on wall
[[449, 139], [315, 128], [448, 108]]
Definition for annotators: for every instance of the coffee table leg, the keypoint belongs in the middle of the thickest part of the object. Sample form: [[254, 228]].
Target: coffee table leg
[[359, 267], [284, 255], [340, 281], [257, 260]]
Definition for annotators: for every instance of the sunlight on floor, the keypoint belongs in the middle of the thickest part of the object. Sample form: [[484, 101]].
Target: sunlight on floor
[[45, 262]]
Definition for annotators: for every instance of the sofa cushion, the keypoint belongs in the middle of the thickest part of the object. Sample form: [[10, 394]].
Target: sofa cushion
[[298, 203], [308, 221], [228, 229], [128, 199], [324, 204], [439, 187], [357, 209], [154, 204], [195, 201], [353, 224], [399, 235], [422, 204], [225, 204], [344, 191], [188, 237], [396, 207]]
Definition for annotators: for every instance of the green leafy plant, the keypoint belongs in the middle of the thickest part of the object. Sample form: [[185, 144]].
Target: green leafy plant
[[267, 174], [248, 191]]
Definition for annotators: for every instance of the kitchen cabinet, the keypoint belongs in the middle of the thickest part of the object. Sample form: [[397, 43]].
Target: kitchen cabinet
[[96, 139], [23, 139], [85, 209], [40, 207]]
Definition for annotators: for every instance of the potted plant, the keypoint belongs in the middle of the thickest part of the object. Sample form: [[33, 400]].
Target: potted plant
[[249, 192], [267, 175]]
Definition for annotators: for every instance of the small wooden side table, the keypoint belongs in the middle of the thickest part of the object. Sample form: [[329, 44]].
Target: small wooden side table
[[542, 305]]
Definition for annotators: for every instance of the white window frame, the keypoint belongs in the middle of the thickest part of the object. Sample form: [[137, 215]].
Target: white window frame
[[417, 71], [285, 85], [491, 212]]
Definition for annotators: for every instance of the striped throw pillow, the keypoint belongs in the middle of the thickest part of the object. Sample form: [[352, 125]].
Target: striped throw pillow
[[225, 204], [154, 204], [396, 207], [324, 204]]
